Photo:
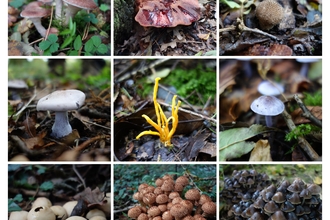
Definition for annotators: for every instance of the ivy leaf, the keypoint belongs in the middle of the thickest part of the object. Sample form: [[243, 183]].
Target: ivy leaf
[[16, 3], [48, 185]]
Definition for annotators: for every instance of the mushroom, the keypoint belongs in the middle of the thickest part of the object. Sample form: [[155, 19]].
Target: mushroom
[[134, 212], [269, 14], [69, 206], [61, 101], [270, 88], [58, 8], [59, 212], [193, 195], [76, 218], [73, 6], [305, 64], [178, 211], [209, 209], [34, 12], [42, 201], [94, 212], [41, 213], [268, 106], [18, 215], [167, 13]]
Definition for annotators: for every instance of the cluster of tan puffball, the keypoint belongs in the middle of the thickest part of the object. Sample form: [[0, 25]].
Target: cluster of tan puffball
[[42, 209], [166, 201]]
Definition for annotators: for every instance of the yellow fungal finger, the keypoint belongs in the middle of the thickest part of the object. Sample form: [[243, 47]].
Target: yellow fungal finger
[[147, 132]]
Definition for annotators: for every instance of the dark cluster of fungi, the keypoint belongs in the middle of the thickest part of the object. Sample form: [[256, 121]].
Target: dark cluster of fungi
[[250, 195], [167, 200]]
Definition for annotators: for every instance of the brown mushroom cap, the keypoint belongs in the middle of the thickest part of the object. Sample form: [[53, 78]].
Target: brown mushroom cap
[[183, 180], [167, 13], [161, 199], [314, 189], [153, 211], [209, 209], [178, 211], [35, 10], [192, 194], [278, 197], [84, 4], [269, 14], [143, 216], [271, 207], [134, 212]]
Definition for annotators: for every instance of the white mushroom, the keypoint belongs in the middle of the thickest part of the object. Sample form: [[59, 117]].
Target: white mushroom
[[41, 213], [61, 101], [268, 88], [69, 206], [268, 106], [18, 215], [94, 212], [59, 211], [41, 201]]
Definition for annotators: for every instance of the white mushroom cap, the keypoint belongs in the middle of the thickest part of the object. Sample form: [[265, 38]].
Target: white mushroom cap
[[17, 84], [268, 88], [267, 105], [62, 100]]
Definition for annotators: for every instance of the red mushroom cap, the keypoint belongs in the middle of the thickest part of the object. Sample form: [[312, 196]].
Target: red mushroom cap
[[167, 13]]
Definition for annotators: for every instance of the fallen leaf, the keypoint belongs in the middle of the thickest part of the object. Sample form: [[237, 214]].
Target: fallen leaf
[[261, 151], [170, 44], [204, 36], [299, 119], [234, 144]]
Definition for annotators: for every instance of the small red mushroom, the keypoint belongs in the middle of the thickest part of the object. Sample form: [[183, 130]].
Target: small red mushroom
[[167, 13]]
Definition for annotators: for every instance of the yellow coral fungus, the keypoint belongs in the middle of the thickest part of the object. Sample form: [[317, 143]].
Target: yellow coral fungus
[[161, 126]]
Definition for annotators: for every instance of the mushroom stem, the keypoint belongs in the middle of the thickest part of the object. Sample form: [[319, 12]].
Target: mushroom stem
[[304, 69], [61, 126], [269, 121], [39, 27], [70, 12], [58, 9]]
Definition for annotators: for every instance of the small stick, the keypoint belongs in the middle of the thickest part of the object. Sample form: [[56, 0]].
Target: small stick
[[301, 140], [307, 114]]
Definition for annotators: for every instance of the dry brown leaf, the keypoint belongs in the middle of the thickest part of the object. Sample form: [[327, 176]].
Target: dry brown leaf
[[171, 44], [204, 36], [261, 151], [210, 149], [299, 119], [35, 142]]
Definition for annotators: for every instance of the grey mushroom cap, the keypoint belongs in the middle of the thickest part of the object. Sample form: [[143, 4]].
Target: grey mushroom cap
[[62, 100], [267, 105], [268, 88]]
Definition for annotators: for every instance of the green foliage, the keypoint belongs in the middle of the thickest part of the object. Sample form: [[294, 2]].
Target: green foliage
[[199, 79], [90, 18], [104, 7], [16, 3], [69, 34], [230, 4], [50, 45], [12, 203], [46, 186], [95, 46], [313, 99], [301, 130]]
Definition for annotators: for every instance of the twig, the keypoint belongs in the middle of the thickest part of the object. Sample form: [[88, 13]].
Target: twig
[[306, 113], [84, 145], [301, 140], [241, 27], [79, 176], [191, 112], [26, 105]]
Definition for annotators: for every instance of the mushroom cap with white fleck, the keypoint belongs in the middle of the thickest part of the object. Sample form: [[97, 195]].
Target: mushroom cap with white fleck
[[62, 100], [267, 105]]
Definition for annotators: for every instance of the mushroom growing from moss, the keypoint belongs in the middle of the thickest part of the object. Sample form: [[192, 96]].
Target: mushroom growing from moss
[[269, 14], [167, 13], [61, 102]]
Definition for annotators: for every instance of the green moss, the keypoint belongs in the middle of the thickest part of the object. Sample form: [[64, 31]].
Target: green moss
[[314, 99]]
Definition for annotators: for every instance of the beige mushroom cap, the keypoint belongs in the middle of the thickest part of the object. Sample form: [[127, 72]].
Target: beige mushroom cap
[[41, 213], [18, 215], [134, 212], [269, 13]]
